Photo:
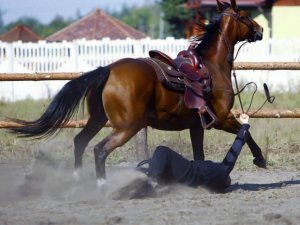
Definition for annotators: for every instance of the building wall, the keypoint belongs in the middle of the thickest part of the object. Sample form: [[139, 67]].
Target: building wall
[[286, 22], [262, 21]]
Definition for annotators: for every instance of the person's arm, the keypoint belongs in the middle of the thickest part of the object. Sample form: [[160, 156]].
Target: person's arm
[[236, 147], [243, 132]]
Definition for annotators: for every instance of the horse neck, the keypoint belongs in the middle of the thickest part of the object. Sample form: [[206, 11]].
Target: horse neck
[[218, 57]]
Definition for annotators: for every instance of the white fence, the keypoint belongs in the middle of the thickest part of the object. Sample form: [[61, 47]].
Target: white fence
[[79, 55], [83, 55]]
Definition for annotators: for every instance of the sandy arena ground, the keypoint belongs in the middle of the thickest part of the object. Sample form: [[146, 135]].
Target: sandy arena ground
[[50, 196]]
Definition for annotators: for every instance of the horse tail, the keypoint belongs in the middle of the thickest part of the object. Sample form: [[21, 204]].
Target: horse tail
[[63, 106]]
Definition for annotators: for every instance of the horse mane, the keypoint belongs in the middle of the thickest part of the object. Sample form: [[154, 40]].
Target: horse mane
[[205, 33]]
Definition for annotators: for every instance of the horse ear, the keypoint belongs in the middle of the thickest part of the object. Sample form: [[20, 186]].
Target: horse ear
[[233, 5], [220, 6]]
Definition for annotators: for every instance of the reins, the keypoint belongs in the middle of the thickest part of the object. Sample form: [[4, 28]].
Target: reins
[[269, 98], [235, 80], [231, 60]]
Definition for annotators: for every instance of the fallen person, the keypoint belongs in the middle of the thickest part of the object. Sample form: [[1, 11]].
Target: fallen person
[[167, 166]]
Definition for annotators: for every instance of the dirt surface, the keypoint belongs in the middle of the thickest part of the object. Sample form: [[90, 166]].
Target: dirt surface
[[49, 195]]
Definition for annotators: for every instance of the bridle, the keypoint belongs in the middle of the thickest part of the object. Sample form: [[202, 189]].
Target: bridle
[[240, 19], [246, 21], [236, 16]]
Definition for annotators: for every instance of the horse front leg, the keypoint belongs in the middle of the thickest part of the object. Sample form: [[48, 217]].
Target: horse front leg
[[259, 159], [197, 135], [232, 125]]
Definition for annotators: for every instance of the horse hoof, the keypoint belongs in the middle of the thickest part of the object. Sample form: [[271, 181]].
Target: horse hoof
[[262, 163], [76, 175], [100, 183]]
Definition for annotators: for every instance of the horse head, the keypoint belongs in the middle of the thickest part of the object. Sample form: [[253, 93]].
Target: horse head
[[240, 25]]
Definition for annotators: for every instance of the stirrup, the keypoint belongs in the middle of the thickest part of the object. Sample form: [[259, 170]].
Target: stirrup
[[203, 112], [146, 161], [142, 169]]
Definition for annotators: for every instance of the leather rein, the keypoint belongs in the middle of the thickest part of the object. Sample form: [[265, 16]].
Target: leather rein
[[231, 59]]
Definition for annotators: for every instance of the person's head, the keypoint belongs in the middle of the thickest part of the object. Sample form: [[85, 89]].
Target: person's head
[[221, 185], [227, 182]]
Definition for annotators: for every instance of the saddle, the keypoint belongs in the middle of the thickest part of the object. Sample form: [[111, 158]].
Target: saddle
[[185, 74]]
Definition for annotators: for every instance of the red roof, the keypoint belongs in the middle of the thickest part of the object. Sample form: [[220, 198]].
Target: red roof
[[20, 33], [97, 25], [199, 3], [287, 2]]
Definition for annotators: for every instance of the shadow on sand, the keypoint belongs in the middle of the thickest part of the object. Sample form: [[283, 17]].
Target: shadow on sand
[[258, 187]]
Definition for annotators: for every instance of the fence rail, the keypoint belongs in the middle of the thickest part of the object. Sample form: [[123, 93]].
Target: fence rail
[[267, 65], [69, 76], [70, 124], [37, 76], [238, 66], [278, 114]]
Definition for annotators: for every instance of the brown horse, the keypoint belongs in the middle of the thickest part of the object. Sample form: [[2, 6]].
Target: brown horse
[[129, 95]]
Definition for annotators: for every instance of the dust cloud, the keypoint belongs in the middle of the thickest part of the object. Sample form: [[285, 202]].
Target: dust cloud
[[46, 193]]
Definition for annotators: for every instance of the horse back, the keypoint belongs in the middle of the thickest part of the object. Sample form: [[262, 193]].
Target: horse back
[[134, 93]]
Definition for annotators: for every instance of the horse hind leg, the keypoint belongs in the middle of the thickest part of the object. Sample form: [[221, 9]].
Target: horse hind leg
[[117, 138], [82, 139]]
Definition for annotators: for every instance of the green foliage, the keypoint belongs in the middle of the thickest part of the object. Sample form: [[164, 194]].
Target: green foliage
[[30, 22], [41, 29], [56, 24], [176, 16], [145, 19], [2, 27]]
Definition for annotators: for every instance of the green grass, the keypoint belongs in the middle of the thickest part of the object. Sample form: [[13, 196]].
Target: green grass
[[278, 138]]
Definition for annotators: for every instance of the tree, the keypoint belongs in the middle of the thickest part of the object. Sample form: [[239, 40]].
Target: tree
[[30, 22], [43, 30], [56, 24], [176, 16], [2, 27], [145, 19]]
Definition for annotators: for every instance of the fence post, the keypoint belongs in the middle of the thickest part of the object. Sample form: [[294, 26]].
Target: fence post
[[10, 57], [74, 54], [141, 146]]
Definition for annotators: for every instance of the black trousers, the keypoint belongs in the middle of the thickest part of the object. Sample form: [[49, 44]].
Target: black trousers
[[167, 165]]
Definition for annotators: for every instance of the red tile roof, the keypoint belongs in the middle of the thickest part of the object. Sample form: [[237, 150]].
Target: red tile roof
[[20, 33], [199, 3], [287, 3], [97, 25]]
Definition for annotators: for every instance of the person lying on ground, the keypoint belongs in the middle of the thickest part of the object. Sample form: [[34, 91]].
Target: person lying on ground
[[167, 166]]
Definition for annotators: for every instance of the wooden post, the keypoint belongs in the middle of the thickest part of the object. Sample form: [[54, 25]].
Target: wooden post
[[141, 146]]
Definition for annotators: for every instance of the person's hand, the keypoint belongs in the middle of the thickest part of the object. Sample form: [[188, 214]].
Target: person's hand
[[244, 118]]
